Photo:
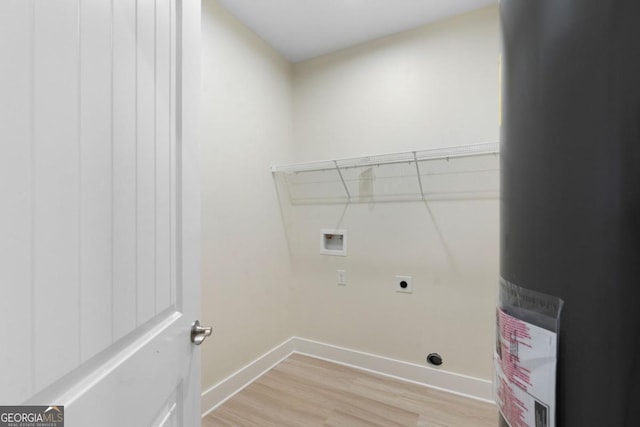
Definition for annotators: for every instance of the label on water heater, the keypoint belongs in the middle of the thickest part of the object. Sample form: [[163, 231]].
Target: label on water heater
[[525, 362]]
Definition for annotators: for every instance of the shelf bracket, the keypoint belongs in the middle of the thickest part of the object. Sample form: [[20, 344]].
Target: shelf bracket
[[335, 162], [415, 158]]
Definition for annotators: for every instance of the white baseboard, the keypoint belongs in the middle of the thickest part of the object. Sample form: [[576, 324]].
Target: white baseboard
[[463, 385], [474, 388], [234, 383]]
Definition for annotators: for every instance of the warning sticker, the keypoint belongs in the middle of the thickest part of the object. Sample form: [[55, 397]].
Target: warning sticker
[[525, 361]]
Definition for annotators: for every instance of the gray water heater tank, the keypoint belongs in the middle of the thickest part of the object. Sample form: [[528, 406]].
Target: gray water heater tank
[[570, 148]]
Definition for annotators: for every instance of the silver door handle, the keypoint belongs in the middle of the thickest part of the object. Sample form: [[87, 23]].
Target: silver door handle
[[199, 333]]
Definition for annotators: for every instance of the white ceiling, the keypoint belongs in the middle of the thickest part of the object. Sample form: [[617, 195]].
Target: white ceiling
[[302, 29]]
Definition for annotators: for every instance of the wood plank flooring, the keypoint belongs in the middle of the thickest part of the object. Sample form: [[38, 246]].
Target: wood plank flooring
[[304, 391]]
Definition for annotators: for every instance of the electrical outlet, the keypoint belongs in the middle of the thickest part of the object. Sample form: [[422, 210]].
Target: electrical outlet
[[404, 284], [342, 277]]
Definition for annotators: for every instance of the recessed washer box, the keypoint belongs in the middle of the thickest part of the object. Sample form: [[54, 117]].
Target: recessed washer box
[[333, 242]]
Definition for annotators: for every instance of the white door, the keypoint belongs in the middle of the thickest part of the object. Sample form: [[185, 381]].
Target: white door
[[99, 209]]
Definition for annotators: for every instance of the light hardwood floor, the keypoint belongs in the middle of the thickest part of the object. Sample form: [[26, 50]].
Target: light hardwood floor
[[304, 391]]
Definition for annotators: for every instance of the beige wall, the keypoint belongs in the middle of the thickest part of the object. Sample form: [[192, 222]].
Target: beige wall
[[264, 281], [246, 107], [433, 87]]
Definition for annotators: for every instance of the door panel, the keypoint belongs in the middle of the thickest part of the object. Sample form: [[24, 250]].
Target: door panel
[[164, 149], [146, 167], [168, 414], [100, 218], [124, 156], [16, 179], [56, 204], [141, 393], [96, 179]]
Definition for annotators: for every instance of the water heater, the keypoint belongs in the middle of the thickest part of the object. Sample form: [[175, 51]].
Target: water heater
[[570, 148]]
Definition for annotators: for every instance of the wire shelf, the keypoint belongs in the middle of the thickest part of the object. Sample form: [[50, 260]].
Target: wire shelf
[[470, 171]]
